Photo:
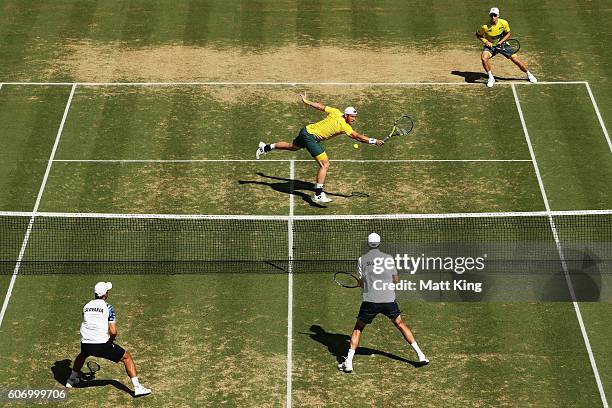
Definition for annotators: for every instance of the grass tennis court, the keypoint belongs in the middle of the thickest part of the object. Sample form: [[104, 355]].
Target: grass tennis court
[[204, 82]]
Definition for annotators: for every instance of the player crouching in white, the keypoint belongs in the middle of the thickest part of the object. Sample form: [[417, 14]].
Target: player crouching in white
[[377, 301], [98, 333]]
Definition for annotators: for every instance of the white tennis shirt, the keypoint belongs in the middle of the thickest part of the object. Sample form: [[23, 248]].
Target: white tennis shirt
[[97, 314], [376, 279]]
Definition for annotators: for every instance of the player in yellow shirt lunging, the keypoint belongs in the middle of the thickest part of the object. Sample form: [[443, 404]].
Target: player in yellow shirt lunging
[[495, 33], [311, 136]]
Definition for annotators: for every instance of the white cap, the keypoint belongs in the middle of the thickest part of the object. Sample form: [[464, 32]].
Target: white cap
[[373, 240], [350, 111], [494, 10], [102, 287]]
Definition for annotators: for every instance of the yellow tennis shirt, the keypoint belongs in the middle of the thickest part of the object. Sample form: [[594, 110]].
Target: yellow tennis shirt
[[494, 33], [333, 125]]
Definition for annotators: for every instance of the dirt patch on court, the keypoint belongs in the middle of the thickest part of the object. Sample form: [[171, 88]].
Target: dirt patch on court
[[91, 62]]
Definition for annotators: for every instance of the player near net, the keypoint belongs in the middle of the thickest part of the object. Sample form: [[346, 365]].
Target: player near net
[[311, 136], [493, 35], [377, 298], [98, 332]]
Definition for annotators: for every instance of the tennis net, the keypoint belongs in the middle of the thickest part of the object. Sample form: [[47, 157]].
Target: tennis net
[[67, 243]]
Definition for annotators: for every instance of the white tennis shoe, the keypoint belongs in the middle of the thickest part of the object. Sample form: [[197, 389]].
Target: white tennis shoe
[[531, 78], [140, 390], [321, 198], [72, 382], [260, 150], [490, 82], [345, 368]]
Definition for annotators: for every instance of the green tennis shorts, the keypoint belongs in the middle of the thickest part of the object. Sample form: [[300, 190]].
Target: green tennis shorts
[[308, 141]]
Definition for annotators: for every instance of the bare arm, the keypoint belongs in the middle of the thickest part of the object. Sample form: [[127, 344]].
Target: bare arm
[[316, 105], [483, 40], [364, 139], [504, 38], [112, 331], [359, 273]]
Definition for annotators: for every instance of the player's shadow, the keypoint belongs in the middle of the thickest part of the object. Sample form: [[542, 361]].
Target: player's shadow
[[478, 77], [61, 371], [302, 189], [338, 345]]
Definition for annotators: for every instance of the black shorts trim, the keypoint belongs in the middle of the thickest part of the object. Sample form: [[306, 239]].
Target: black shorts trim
[[109, 351], [369, 310]]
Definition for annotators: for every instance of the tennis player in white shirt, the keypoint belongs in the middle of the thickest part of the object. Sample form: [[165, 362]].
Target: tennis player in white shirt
[[98, 333], [377, 301]]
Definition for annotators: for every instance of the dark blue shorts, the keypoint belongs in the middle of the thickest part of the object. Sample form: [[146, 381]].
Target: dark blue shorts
[[506, 52], [369, 310], [109, 351]]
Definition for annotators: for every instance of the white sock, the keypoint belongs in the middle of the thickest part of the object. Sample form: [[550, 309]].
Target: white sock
[[349, 357], [416, 348], [272, 146], [490, 74], [528, 73], [135, 381], [74, 374]]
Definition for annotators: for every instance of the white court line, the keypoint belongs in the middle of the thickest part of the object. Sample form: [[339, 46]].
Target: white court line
[[286, 160], [290, 287], [43, 214], [601, 122], [26, 238], [568, 280], [286, 83]]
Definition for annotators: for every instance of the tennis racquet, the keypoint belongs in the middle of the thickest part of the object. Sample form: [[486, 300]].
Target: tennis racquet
[[401, 127], [346, 280], [93, 369], [511, 45], [93, 366]]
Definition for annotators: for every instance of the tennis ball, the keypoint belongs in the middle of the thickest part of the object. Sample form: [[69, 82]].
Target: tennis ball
[[356, 146]]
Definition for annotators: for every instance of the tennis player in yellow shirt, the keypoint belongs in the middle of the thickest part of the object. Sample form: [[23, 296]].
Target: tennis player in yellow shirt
[[495, 32], [311, 136]]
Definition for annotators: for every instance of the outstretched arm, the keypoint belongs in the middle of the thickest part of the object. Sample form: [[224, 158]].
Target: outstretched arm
[[364, 139], [316, 105]]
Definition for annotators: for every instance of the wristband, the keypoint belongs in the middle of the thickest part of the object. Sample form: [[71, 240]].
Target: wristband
[[307, 102], [372, 141]]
